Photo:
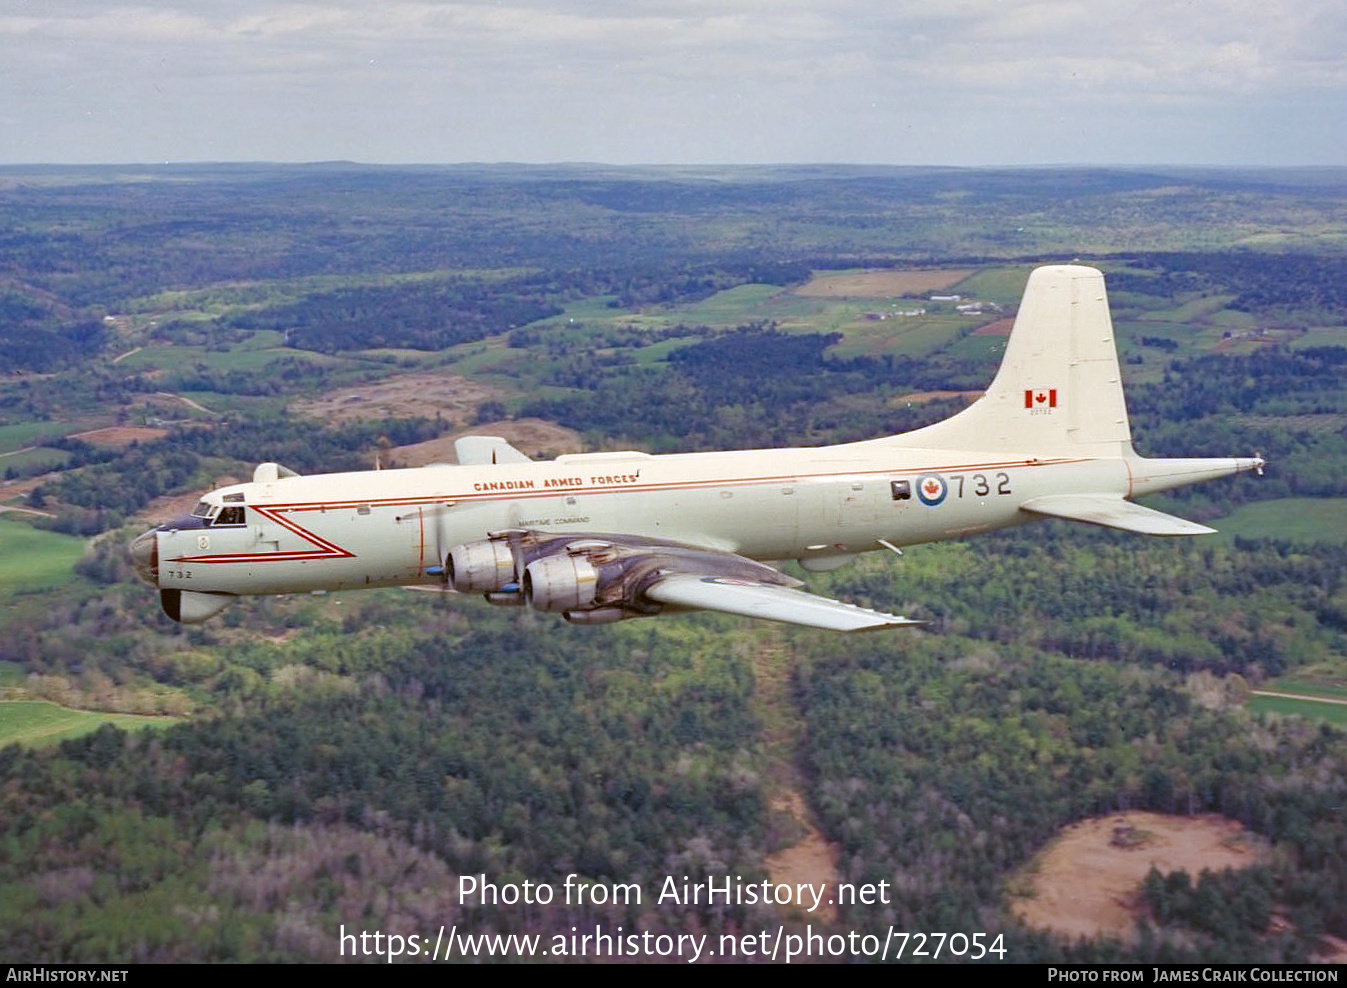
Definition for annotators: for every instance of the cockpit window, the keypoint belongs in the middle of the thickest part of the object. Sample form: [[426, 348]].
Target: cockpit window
[[202, 509], [232, 515]]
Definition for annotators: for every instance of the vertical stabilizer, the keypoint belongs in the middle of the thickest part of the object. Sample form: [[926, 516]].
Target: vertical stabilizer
[[1059, 389]]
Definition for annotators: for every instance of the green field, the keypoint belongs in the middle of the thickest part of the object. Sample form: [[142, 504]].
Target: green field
[[1296, 519], [25, 434], [254, 354], [1320, 336], [31, 558], [30, 462], [1334, 713], [1003, 285], [913, 336], [1319, 681], [742, 304], [238, 357], [38, 723], [1309, 687]]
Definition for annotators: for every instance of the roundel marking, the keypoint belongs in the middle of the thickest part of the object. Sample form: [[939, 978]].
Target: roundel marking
[[931, 488]]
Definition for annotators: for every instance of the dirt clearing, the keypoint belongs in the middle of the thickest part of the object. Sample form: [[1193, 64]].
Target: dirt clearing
[[807, 857], [119, 436], [880, 284], [1001, 327], [537, 438], [406, 396], [1087, 883], [22, 488], [811, 860]]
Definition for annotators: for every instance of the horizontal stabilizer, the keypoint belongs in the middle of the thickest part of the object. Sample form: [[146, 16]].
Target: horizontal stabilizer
[[774, 603], [1112, 511]]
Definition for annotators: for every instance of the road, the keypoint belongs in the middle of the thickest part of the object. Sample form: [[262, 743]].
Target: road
[[1298, 696]]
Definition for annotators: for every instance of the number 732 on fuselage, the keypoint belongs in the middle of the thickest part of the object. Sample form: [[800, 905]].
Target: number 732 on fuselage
[[601, 537]]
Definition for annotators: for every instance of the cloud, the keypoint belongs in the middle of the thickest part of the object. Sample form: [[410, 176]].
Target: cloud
[[541, 77], [1154, 42]]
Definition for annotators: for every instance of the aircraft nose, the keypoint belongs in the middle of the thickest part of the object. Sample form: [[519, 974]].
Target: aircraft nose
[[145, 556]]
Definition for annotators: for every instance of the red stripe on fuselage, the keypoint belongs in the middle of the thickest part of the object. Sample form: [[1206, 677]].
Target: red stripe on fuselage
[[325, 550]]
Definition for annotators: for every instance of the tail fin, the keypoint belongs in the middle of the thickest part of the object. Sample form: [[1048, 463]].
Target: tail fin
[[1059, 389]]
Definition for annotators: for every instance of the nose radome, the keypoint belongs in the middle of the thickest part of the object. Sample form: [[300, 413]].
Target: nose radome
[[145, 556]]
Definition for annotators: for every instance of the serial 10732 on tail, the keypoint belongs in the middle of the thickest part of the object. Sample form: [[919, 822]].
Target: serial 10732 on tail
[[600, 537]]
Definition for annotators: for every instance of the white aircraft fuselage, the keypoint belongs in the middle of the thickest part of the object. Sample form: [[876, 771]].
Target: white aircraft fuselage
[[606, 536]]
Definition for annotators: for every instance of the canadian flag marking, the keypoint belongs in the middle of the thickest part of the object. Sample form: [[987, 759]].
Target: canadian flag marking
[[1040, 398]]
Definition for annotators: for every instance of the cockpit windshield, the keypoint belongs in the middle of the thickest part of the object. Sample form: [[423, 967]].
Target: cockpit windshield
[[216, 515]]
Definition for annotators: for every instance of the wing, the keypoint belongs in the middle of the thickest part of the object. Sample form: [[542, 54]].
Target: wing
[[597, 578], [773, 603]]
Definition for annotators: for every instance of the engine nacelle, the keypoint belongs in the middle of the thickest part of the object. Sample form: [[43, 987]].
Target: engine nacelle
[[560, 582], [480, 567]]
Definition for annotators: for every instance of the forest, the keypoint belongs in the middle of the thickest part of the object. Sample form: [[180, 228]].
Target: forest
[[342, 759], [450, 739]]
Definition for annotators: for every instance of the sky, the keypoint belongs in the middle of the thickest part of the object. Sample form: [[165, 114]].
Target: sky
[[905, 82]]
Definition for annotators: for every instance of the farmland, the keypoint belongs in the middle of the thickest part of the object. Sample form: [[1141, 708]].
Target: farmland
[[349, 754], [39, 724], [31, 559]]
